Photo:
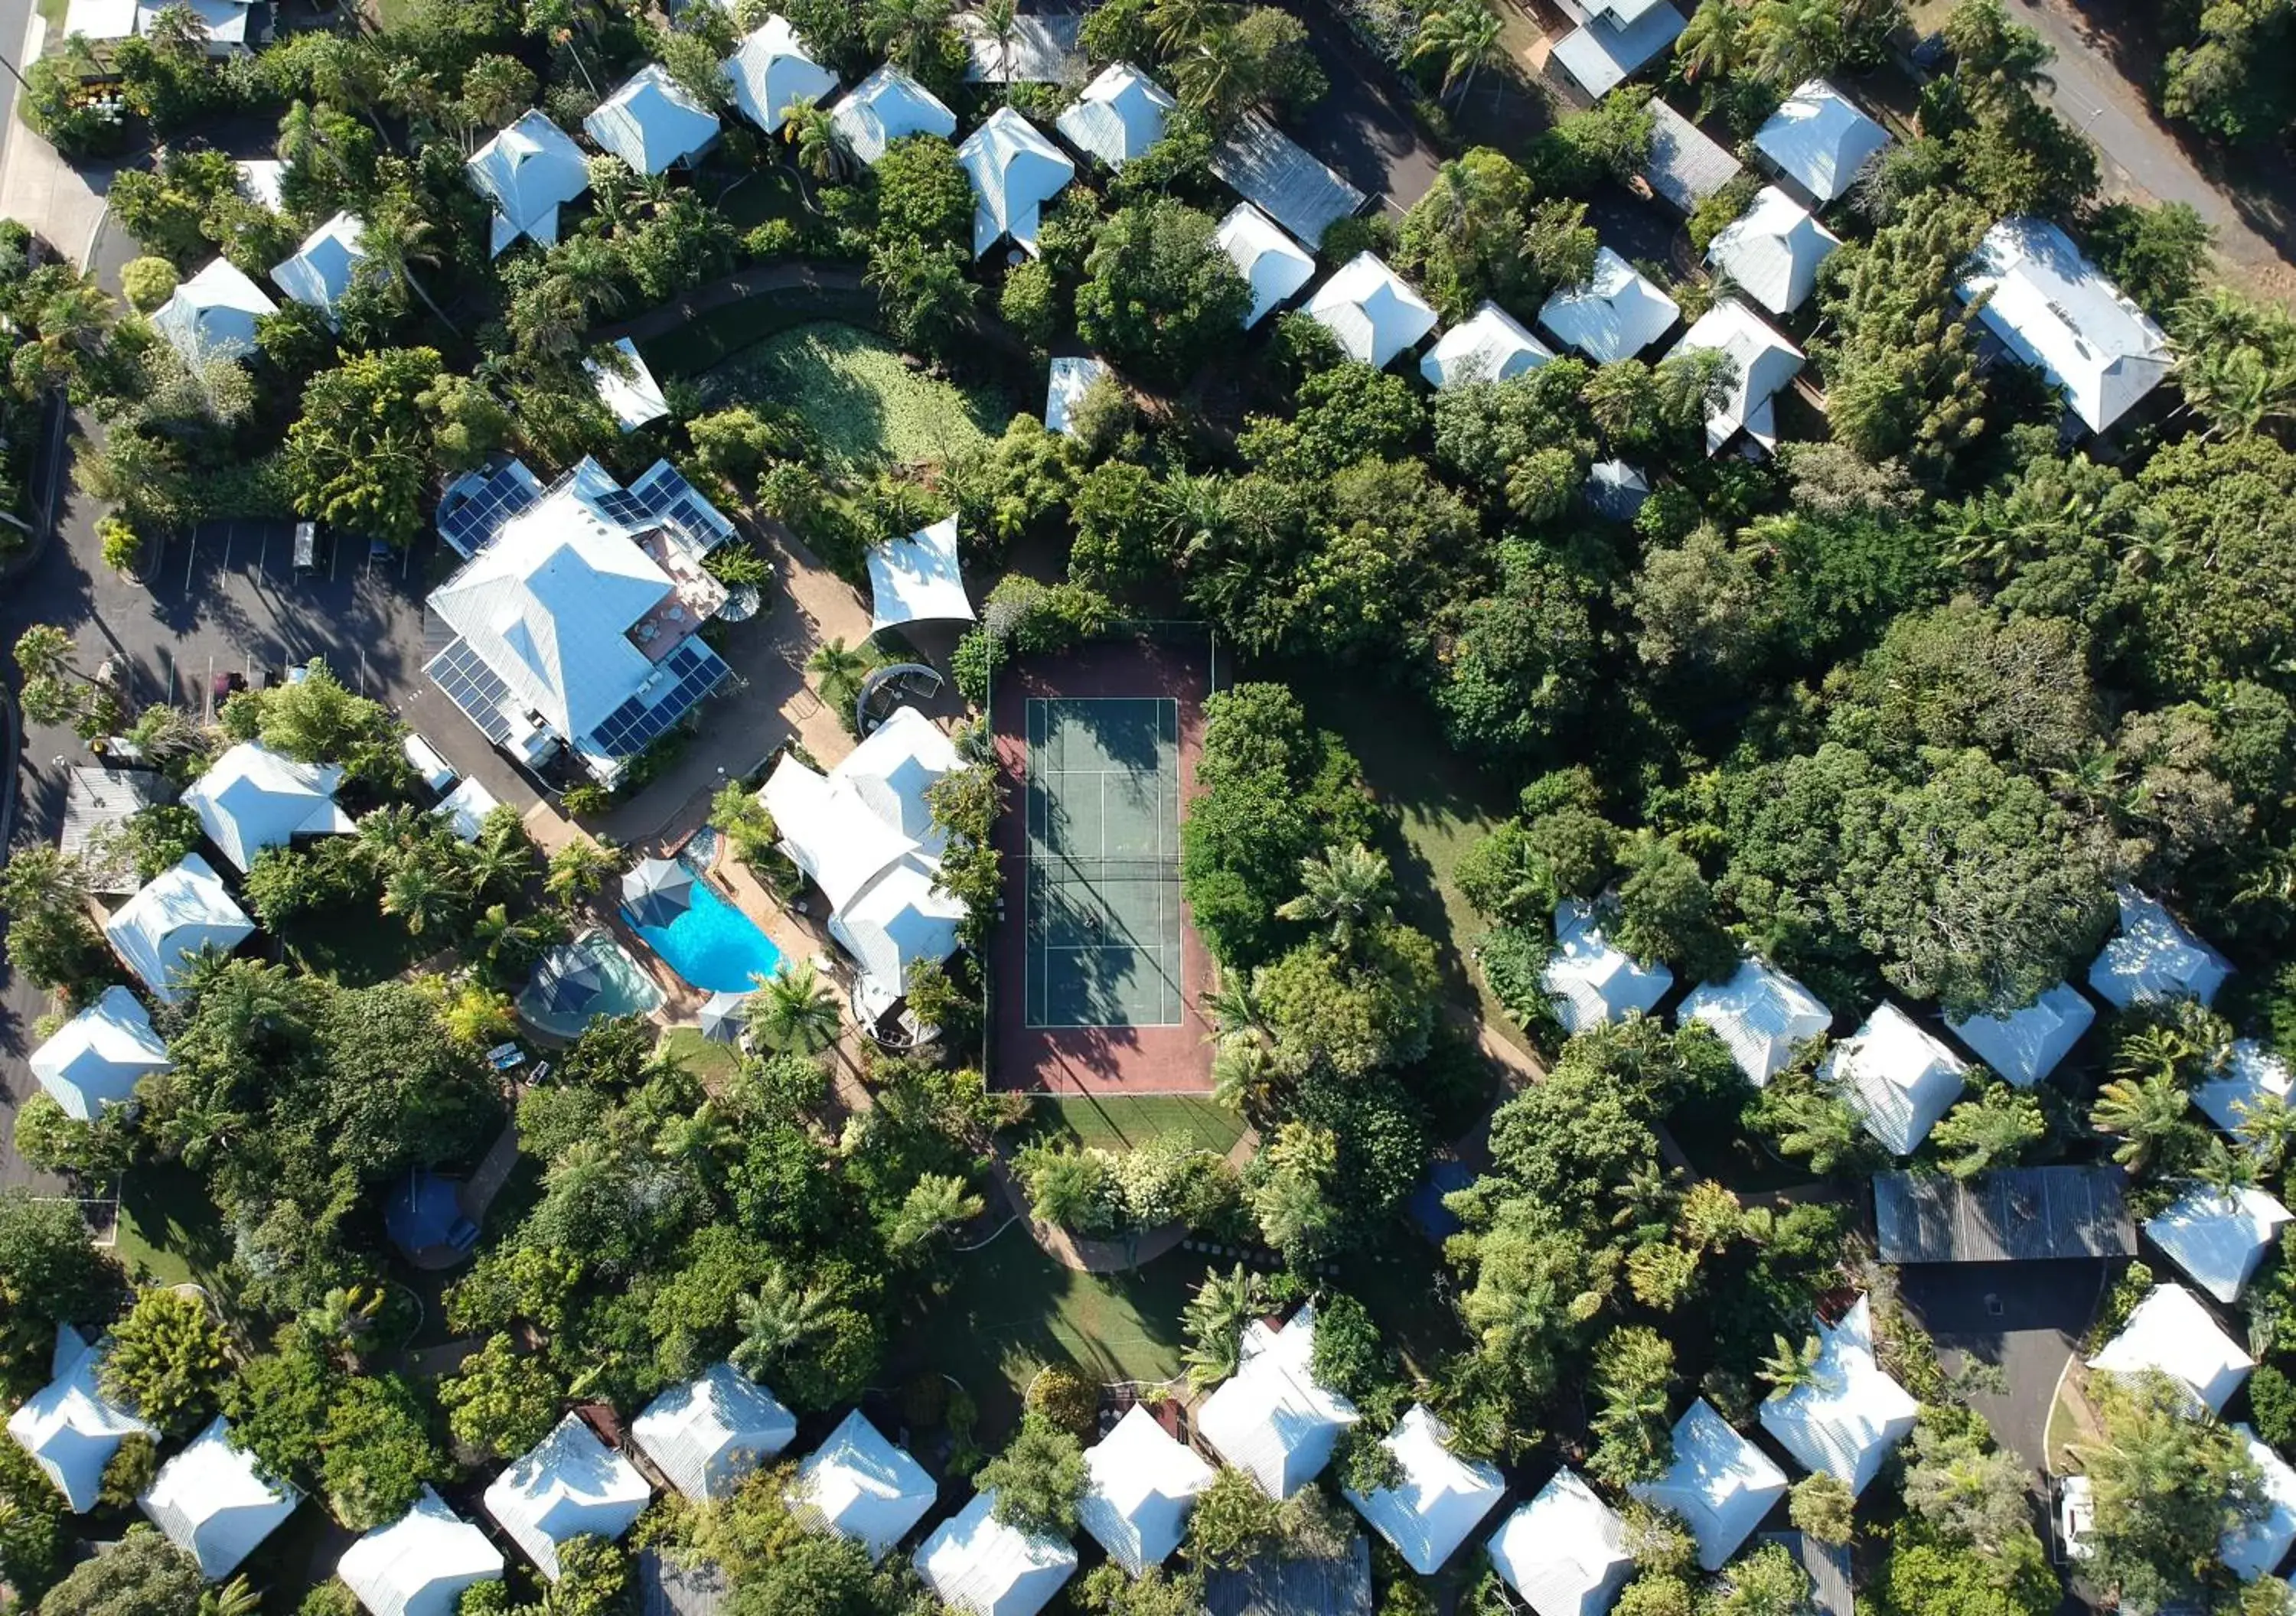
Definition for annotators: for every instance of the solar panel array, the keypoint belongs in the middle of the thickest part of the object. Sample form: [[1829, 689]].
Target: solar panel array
[[476, 507], [630, 728], [624, 508], [474, 687], [672, 499]]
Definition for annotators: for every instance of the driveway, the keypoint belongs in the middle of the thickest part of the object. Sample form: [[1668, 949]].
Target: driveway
[[1362, 127], [2025, 1317], [2141, 154]]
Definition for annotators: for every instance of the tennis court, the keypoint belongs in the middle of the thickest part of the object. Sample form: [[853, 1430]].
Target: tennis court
[[1102, 888]]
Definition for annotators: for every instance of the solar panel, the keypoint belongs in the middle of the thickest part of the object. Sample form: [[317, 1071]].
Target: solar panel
[[474, 687], [623, 507], [477, 505], [692, 671], [670, 498]]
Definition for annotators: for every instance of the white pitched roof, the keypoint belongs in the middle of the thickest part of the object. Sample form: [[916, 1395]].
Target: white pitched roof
[[2054, 310], [1272, 1418], [2173, 1331], [253, 798], [213, 1501], [1601, 54], [1764, 363], [1589, 980], [902, 916], [918, 579], [1441, 1499], [260, 178], [99, 19], [1065, 386], [467, 805], [549, 604], [569, 1485], [710, 1433], [69, 1427], [321, 270], [1773, 250], [420, 1562], [1144, 1483], [1848, 1418], [2024, 1046], [212, 316], [884, 107], [1038, 47], [839, 846], [1490, 344], [1761, 1014], [771, 69], [1819, 139], [976, 1563], [1899, 1078], [859, 1486], [96, 1058], [1565, 1551], [1719, 1483], [1015, 172], [2251, 1072], [2256, 1547], [1121, 115], [1276, 265], [2219, 1237], [528, 172], [1372, 310], [635, 397], [1616, 314], [164, 927], [2152, 958], [652, 122]]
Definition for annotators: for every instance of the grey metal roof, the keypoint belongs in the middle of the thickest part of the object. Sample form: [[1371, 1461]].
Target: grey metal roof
[[95, 797], [670, 1591], [2025, 1214], [1277, 174], [1828, 1569], [1271, 1587], [1686, 166]]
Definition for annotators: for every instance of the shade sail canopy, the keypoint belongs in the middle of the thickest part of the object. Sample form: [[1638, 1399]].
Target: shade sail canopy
[[1850, 1414], [1762, 1015], [710, 1433], [2172, 1330], [97, 1057], [570, 1485], [1372, 311], [1565, 1551], [1589, 980], [918, 579], [1143, 1482], [860, 1486], [2024, 1046], [1440, 1500], [829, 833], [1719, 1483]]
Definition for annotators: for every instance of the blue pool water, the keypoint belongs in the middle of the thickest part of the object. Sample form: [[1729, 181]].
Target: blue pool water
[[713, 945]]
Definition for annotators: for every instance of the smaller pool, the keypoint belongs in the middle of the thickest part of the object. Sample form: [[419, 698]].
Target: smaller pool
[[699, 852], [580, 981], [713, 945]]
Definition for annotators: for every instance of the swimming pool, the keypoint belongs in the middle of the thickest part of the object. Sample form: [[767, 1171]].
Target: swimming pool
[[713, 945], [580, 982]]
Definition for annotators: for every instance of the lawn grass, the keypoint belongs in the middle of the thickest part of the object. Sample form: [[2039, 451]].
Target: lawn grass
[[856, 390], [1437, 806], [1119, 1123], [1010, 1309], [712, 1062], [759, 195], [168, 1227], [356, 945]]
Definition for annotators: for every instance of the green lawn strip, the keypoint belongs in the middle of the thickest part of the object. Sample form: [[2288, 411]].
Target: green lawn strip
[[763, 195], [858, 394], [1010, 1309], [168, 1227], [1439, 806], [712, 1062], [1391, 1279], [1118, 1122]]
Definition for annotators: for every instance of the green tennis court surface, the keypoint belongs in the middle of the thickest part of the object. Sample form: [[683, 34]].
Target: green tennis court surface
[[1102, 892]]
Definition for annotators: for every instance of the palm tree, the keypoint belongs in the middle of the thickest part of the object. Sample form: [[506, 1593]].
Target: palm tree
[[498, 864], [1242, 1066], [395, 238], [2226, 1170], [1789, 1366], [237, 1597], [1344, 891], [2147, 1114], [812, 137], [577, 870], [1215, 1321], [2266, 1125], [1233, 1005], [936, 1201], [1214, 79], [695, 1138], [841, 668], [196, 1133], [424, 897], [1466, 35], [1794, 39], [777, 1319], [795, 1012], [2158, 1050], [1182, 23], [905, 31], [1713, 45], [999, 20], [1194, 513]]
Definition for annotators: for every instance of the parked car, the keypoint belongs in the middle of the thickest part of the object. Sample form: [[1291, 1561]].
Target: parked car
[[435, 771]]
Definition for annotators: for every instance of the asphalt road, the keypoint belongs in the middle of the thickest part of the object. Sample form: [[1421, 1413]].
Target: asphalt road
[[2024, 1317], [1361, 127]]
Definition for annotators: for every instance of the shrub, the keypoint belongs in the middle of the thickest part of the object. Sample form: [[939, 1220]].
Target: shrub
[[2272, 1397], [147, 282], [1066, 1399], [123, 546]]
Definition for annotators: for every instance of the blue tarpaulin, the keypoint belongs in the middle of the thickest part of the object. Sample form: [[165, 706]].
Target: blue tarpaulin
[[1426, 1203]]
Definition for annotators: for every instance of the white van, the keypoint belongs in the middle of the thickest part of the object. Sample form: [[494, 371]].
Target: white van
[[436, 773]]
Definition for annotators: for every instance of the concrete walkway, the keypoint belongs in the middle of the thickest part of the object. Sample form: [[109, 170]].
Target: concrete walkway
[[38, 188]]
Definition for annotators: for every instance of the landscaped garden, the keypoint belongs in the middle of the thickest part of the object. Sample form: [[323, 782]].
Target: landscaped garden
[[869, 403]]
